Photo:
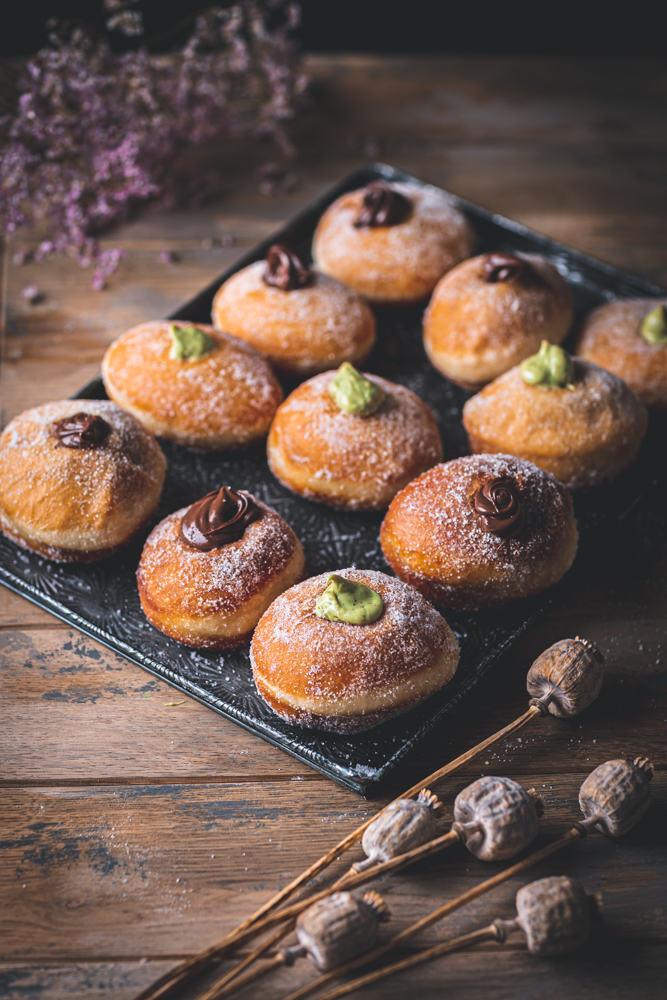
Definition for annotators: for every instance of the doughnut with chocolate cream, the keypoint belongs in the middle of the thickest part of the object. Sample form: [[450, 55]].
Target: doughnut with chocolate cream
[[352, 440], [208, 572], [345, 651], [391, 242], [491, 312], [78, 478], [304, 321], [192, 384], [480, 531], [584, 425], [629, 338]]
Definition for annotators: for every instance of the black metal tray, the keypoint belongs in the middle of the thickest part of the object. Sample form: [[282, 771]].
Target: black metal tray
[[101, 598]]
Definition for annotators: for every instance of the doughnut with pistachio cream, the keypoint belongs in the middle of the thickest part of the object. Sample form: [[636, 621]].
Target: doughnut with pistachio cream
[[481, 531], [391, 242], [78, 478], [345, 651], [208, 572], [302, 320], [192, 384], [352, 440], [629, 338], [569, 416]]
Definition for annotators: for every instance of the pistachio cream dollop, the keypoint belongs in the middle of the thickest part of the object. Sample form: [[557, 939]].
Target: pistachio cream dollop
[[189, 342], [346, 601], [654, 326], [550, 368], [353, 393]]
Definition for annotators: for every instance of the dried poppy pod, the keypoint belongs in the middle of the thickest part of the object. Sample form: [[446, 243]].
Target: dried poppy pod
[[564, 683], [402, 826], [337, 929], [496, 817], [616, 795], [617, 790], [566, 677], [554, 914]]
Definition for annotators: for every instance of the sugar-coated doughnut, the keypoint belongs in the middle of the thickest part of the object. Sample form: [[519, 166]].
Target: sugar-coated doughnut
[[78, 478], [489, 313], [302, 320], [480, 531], [343, 677], [585, 433], [392, 242], [192, 384], [346, 460], [208, 572], [612, 338]]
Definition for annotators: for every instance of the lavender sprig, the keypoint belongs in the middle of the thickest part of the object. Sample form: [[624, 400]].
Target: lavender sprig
[[95, 133]]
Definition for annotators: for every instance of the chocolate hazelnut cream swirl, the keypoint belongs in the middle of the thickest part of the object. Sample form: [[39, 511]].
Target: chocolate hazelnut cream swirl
[[81, 430], [499, 267], [499, 505], [217, 519], [285, 270], [382, 206]]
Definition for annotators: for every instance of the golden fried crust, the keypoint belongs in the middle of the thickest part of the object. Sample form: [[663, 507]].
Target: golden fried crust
[[584, 436], [610, 337], [225, 399], [475, 330], [213, 600], [433, 538], [393, 264], [332, 675], [71, 504], [302, 331], [358, 463]]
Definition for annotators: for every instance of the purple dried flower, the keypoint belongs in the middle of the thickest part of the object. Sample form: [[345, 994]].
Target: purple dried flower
[[22, 256], [31, 294], [94, 134]]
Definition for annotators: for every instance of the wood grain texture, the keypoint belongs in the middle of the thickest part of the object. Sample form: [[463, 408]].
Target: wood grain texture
[[102, 812], [156, 870]]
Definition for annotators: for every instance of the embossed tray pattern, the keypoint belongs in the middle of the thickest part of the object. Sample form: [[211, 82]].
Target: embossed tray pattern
[[101, 598]]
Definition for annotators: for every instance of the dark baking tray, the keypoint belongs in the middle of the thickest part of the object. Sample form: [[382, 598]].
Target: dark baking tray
[[101, 598]]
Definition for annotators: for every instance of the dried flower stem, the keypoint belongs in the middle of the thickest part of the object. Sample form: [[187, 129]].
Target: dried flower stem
[[489, 933], [575, 833], [254, 924], [349, 880]]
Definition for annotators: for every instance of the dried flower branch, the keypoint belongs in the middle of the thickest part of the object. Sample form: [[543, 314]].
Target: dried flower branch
[[95, 133]]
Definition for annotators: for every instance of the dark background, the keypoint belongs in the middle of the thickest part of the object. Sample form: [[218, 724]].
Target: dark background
[[401, 26]]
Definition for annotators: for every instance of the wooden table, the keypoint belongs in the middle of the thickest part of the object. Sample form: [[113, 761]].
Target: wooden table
[[138, 826]]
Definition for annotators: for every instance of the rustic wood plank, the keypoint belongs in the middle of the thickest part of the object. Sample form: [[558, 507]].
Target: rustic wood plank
[[609, 968], [74, 710], [152, 871], [61, 689]]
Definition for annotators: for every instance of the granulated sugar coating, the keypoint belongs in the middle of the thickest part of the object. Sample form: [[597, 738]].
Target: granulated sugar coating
[[224, 399], [174, 575], [302, 331], [334, 675], [585, 435], [611, 338], [319, 451], [400, 263], [87, 500], [433, 537]]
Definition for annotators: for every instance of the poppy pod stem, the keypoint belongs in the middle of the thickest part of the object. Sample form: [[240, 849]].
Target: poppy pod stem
[[563, 681]]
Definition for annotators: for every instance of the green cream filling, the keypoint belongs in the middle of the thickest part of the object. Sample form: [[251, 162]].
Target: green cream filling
[[346, 601]]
